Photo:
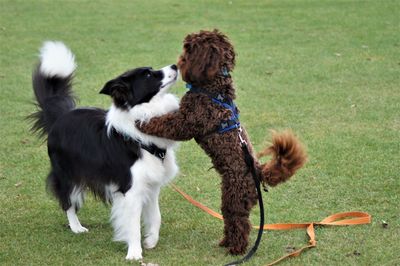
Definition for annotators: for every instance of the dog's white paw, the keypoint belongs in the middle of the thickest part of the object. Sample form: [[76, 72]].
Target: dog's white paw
[[150, 241], [77, 229], [134, 254]]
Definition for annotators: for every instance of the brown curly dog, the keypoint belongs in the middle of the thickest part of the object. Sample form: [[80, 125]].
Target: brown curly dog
[[205, 63]]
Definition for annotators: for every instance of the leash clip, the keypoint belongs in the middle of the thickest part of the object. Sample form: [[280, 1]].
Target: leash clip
[[242, 140]]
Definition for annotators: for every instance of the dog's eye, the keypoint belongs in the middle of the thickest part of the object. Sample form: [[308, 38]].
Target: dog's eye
[[148, 74]]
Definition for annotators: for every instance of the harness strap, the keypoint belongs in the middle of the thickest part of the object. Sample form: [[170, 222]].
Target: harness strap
[[218, 97], [225, 102], [228, 125]]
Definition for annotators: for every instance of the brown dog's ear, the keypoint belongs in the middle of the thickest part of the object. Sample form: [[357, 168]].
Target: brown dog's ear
[[118, 90], [213, 62], [205, 62]]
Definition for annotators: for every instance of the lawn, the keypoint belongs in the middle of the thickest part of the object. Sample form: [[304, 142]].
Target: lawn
[[329, 70]]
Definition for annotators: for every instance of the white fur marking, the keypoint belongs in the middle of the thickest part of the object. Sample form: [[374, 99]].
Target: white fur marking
[[170, 77], [56, 60], [149, 173], [74, 223], [152, 220], [76, 199], [124, 121]]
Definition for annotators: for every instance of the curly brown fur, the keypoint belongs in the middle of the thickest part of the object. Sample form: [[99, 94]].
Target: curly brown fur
[[204, 55], [288, 155]]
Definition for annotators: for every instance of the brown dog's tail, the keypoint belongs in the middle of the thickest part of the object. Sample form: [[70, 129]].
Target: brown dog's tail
[[288, 155]]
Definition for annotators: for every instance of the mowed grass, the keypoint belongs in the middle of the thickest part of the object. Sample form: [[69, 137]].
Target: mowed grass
[[329, 70]]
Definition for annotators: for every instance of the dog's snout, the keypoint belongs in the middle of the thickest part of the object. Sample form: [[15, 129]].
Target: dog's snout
[[174, 73]]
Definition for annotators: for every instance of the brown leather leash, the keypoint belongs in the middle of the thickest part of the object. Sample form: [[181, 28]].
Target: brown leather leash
[[337, 219]]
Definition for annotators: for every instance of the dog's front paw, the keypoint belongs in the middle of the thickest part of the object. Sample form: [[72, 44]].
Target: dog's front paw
[[134, 254], [77, 229], [150, 241]]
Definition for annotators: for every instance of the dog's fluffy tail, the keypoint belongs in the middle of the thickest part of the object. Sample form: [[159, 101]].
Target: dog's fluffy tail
[[51, 82], [288, 155]]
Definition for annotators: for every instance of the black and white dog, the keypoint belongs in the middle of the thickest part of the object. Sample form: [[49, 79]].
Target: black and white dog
[[102, 150]]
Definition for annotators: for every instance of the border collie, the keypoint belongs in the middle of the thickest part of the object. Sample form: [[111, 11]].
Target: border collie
[[103, 151]]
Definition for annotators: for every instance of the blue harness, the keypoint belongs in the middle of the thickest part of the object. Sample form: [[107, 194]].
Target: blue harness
[[226, 125]]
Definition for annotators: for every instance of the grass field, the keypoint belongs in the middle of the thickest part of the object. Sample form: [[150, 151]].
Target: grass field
[[330, 70]]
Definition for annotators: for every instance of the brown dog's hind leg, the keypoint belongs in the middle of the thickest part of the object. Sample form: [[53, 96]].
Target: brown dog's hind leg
[[236, 234], [238, 197]]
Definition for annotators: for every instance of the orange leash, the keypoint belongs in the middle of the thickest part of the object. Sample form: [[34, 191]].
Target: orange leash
[[339, 219]]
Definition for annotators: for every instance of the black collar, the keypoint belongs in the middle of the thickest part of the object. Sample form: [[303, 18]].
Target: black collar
[[154, 150], [151, 148]]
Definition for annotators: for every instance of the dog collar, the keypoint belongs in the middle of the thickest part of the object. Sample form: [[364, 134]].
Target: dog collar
[[151, 148], [154, 150]]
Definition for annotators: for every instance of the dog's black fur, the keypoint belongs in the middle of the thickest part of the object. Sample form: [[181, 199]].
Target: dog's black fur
[[80, 151], [102, 150]]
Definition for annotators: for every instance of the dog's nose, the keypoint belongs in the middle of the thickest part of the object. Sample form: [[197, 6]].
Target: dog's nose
[[174, 67]]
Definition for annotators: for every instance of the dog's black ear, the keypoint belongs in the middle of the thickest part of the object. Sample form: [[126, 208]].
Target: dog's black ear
[[110, 86], [118, 90]]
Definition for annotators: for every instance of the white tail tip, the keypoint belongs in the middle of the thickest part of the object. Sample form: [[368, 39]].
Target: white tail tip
[[56, 60]]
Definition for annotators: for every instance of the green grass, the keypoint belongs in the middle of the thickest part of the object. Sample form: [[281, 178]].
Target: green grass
[[330, 70]]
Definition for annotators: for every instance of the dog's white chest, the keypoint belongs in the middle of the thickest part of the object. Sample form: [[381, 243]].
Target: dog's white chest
[[150, 170]]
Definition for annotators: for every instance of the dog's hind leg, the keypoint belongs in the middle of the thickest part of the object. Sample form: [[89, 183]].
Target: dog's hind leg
[[152, 219], [76, 199], [238, 197], [70, 197]]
